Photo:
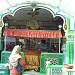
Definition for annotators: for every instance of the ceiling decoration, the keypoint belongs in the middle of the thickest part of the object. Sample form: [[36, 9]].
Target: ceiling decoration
[[33, 24], [38, 18], [32, 13]]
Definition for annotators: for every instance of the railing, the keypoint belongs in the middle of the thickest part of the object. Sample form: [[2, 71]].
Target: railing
[[59, 70]]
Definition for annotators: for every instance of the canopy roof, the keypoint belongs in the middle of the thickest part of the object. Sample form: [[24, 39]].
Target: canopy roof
[[66, 6]]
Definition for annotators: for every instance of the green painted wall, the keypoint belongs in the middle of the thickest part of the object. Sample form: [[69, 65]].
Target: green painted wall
[[70, 39]]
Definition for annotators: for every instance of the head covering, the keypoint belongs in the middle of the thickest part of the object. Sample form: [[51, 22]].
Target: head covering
[[15, 55], [16, 49]]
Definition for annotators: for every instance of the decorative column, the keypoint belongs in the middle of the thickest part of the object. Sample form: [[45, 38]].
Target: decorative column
[[6, 26], [59, 26]]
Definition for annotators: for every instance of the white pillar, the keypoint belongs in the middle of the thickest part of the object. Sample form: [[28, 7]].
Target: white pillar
[[6, 26]]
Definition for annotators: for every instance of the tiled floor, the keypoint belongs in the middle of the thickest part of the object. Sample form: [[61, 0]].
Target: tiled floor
[[32, 72]]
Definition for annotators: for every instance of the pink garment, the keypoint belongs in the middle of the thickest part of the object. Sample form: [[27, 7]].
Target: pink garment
[[14, 69]]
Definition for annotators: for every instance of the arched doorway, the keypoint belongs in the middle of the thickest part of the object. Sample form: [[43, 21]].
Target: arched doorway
[[34, 17]]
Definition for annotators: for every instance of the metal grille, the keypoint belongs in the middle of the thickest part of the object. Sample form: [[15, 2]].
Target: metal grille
[[56, 71], [53, 61]]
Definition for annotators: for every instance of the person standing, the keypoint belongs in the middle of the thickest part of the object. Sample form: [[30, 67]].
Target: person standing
[[15, 58]]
